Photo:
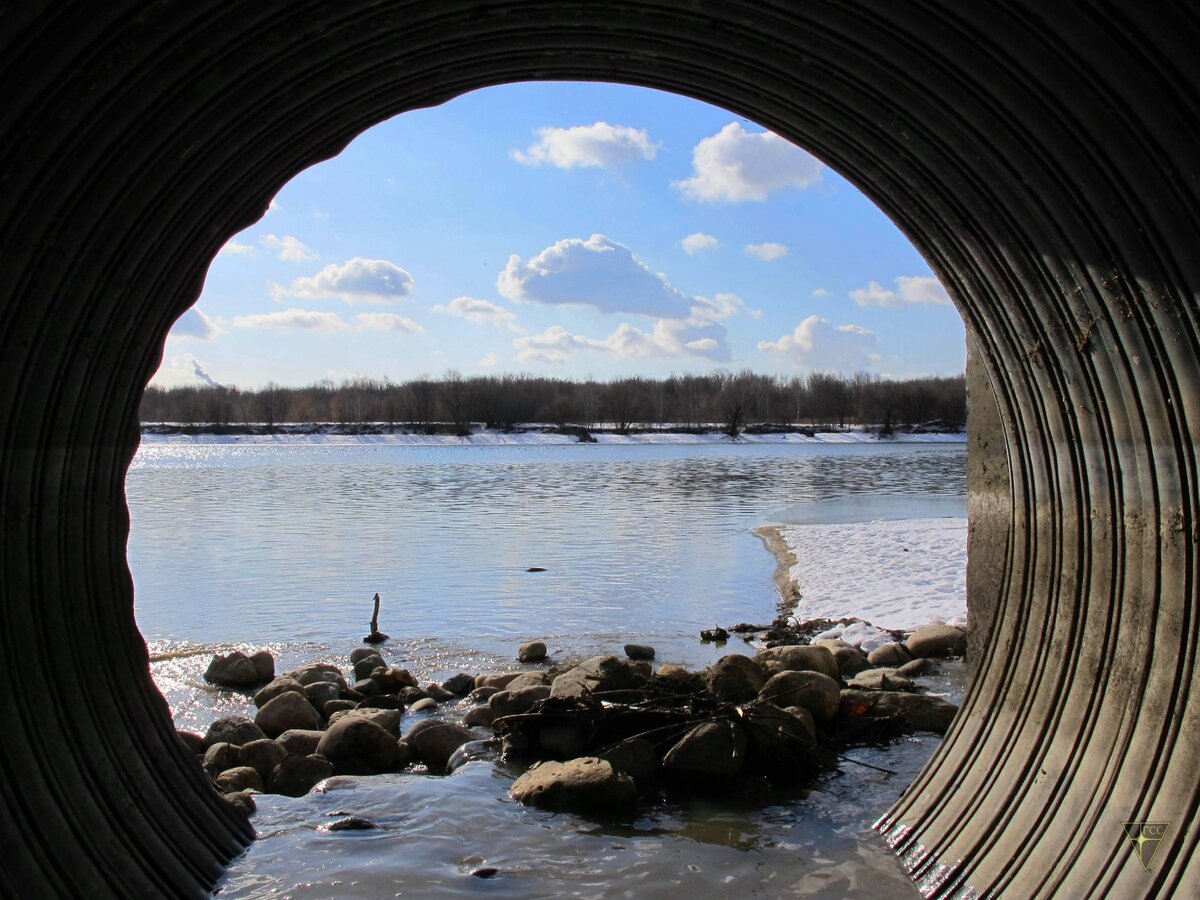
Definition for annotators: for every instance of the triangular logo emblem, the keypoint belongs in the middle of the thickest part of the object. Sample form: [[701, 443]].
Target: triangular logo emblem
[[1146, 838]]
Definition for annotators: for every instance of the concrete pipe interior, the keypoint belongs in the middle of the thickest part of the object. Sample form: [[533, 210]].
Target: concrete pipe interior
[[1041, 156]]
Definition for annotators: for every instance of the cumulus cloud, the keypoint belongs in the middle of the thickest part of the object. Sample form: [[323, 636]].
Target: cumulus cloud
[[288, 248], [668, 337], [481, 312], [766, 252], [488, 361], [822, 292], [356, 280], [381, 321], [294, 319], [598, 272], [910, 290], [195, 325], [183, 370], [817, 343], [735, 165], [234, 248], [600, 145], [698, 242]]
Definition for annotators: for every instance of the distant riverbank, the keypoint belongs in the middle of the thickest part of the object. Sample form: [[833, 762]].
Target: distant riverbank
[[376, 433]]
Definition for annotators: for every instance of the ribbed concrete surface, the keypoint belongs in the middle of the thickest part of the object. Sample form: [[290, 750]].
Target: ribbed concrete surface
[[1041, 155]]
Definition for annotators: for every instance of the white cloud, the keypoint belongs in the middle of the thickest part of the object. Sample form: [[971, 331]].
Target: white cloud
[[822, 292], [735, 165], [288, 248], [668, 337], [297, 319], [911, 290], [600, 145], [481, 312], [183, 370], [698, 242], [195, 325], [818, 344], [597, 272], [488, 361], [766, 252], [381, 321], [234, 248], [358, 279], [721, 307]]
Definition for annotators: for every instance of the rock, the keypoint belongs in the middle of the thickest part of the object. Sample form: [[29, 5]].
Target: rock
[[583, 785], [423, 705], [511, 703], [534, 651], [365, 687], [600, 674], [337, 706], [236, 730], [850, 659], [922, 712], [239, 778], [713, 748], [286, 712], [460, 684], [242, 801], [920, 666], [392, 680], [264, 664], [673, 679], [368, 664], [643, 668], [479, 716], [783, 743], [296, 775], [798, 659], [880, 680], [382, 701], [468, 752], [281, 685], [192, 741], [360, 653], [435, 742], [490, 871], [937, 640], [639, 651], [634, 757], [219, 757], [351, 823], [500, 682], [233, 670], [735, 679], [714, 634], [411, 695], [306, 675], [528, 680], [387, 719], [565, 740], [438, 693], [262, 757], [358, 738], [810, 690], [482, 694], [321, 692], [889, 655], [801, 713], [300, 741]]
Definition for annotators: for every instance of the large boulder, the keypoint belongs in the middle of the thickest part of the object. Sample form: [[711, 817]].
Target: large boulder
[[439, 693], [236, 730], [264, 664], [297, 775], [585, 785], [528, 680], [798, 659], [287, 711], [881, 680], [219, 757], [499, 682], [635, 757], [534, 651], [239, 778], [511, 703], [922, 712], [387, 719], [850, 659], [300, 741], [916, 667], [938, 641], [889, 656], [783, 742], [356, 738], [810, 690], [600, 674], [306, 675], [673, 679], [361, 653], [321, 692], [262, 757], [479, 716], [713, 748], [392, 679], [365, 665], [639, 651], [735, 678], [234, 669], [459, 685], [281, 685], [434, 742]]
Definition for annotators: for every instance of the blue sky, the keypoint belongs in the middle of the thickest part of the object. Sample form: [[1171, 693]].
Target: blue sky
[[573, 230]]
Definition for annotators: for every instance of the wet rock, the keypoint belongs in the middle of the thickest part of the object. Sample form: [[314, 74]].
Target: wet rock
[[286, 712], [511, 703], [262, 757], [219, 757], [411, 695], [634, 757], [880, 680], [352, 823], [192, 741], [236, 730], [479, 716], [239, 778], [937, 640], [321, 692], [392, 679], [387, 719], [460, 684], [735, 679], [919, 666], [264, 664], [798, 659], [381, 701], [584, 785], [425, 704], [810, 690], [337, 706], [365, 665], [922, 712], [491, 871], [783, 742], [713, 748], [889, 656], [528, 680], [565, 740], [482, 694], [300, 741], [500, 682], [600, 674], [242, 801], [306, 675], [673, 679], [358, 738], [434, 742], [365, 687], [639, 651], [297, 775], [534, 651], [360, 653], [850, 659], [439, 693], [233, 670], [714, 634], [469, 751], [281, 685]]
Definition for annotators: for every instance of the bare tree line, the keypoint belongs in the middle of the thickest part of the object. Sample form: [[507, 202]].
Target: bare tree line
[[454, 403]]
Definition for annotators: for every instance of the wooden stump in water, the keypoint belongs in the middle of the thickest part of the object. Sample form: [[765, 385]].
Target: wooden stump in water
[[376, 636]]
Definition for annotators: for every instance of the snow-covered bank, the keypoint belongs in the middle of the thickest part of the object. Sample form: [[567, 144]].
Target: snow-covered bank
[[538, 438], [898, 574]]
